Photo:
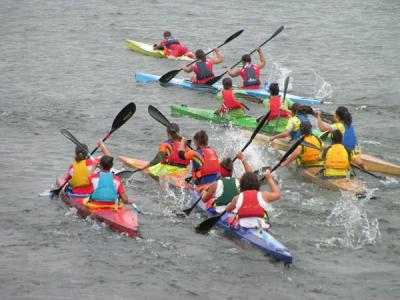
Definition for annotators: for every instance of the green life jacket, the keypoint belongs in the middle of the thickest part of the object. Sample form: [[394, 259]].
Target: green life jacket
[[229, 191]]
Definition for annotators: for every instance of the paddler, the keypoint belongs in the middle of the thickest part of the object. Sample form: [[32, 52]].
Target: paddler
[[275, 105], [107, 187], [167, 160], [230, 105], [306, 156], [293, 125], [203, 69], [336, 158], [249, 72], [205, 168], [343, 123], [227, 187], [250, 205], [172, 47]]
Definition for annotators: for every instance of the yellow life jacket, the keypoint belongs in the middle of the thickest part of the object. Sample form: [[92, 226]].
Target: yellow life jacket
[[310, 156], [336, 161], [80, 174]]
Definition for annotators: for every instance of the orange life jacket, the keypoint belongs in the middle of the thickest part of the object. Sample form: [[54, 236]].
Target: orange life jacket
[[210, 163], [173, 159]]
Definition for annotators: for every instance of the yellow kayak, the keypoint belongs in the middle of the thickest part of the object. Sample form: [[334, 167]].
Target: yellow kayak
[[148, 50]]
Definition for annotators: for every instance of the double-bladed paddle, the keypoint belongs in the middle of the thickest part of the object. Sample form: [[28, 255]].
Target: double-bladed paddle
[[167, 77], [217, 78], [205, 226]]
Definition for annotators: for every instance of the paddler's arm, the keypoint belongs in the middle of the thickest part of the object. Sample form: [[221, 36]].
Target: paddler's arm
[[232, 205], [323, 126], [209, 192], [281, 135], [219, 59], [292, 156], [103, 148], [188, 69], [233, 72], [275, 194], [246, 166], [93, 168], [124, 198], [160, 46], [261, 64]]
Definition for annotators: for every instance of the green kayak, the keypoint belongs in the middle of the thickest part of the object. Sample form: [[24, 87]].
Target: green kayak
[[277, 125]]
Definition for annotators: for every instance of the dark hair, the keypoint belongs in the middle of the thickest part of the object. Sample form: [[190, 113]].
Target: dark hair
[[295, 108], [173, 131], [167, 34], [274, 89], [80, 154], [305, 128], [344, 115], [227, 164], [246, 58], [337, 137], [249, 181], [200, 54], [106, 162], [201, 138], [227, 83]]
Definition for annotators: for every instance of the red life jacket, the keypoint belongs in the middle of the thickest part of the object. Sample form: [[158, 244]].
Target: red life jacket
[[210, 163], [203, 71], [173, 159], [229, 101], [275, 107], [250, 206], [251, 76]]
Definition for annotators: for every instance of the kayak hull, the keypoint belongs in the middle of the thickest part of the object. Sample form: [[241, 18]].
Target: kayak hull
[[122, 220], [147, 78], [148, 50], [277, 125]]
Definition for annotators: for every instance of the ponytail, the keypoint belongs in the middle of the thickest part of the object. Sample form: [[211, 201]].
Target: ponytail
[[80, 154], [344, 115]]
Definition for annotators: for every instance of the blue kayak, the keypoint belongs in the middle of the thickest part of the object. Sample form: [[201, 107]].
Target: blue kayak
[[146, 78]]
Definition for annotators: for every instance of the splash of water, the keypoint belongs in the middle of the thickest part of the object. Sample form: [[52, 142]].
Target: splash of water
[[322, 89], [278, 73]]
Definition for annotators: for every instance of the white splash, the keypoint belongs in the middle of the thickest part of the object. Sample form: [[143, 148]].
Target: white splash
[[322, 89], [278, 73]]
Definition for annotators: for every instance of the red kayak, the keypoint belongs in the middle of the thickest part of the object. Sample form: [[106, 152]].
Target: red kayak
[[122, 219]]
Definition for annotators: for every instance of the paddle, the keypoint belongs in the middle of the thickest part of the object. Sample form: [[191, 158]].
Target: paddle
[[167, 77], [205, 226], [217, 78], [369, 173], [283, 103], [249, 98]]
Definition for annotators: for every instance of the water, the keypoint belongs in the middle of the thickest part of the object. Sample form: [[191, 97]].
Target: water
[[65, 65]]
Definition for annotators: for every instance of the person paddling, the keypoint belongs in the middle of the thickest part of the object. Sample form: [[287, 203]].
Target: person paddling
[[107, 187], [250, 205], [275, 105], [336, 158], [205, 168], [230, 105], [203, 69], [249, 72], [307, 156], [222, 191], [172, 47], [343, 123]]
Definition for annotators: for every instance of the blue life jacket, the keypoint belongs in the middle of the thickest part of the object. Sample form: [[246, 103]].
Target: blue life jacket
[[250, 76], [105, 190], [295, 134], [171, 41], [349, 139]]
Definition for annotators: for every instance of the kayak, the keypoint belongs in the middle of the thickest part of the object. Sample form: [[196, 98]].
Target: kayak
[[373, 164], [262, 93], [277, 125], [261, 239], [123, 220], [148, 50]]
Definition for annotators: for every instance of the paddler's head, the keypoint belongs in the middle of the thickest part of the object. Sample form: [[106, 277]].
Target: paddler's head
[[80, 154], [246, 59], [249, 181], [343, 115], [173, 132], [201, 139], [274, 89], [106, 162], [305, 128], [200, 55], [226, 167], [227, 83], [337, 137], [167, 34], [295, 108]]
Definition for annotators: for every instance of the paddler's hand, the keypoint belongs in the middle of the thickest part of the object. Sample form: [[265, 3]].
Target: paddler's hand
[[258, 49], [318, 115], [240, 155], [272, 139], [129, 202], [268, 175]]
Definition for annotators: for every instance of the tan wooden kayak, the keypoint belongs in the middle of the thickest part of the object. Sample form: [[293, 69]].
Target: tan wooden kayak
[[373, 163]]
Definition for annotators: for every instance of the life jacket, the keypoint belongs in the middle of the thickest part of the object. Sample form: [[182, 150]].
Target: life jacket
[[170, 41], [250, 207], [349, 138], [250, 75], [203, 71], [230, 190], [173, 158], [336, 160], [105, 190], [310, 156], [229, 100], [275, 107], [210, 164], [297, 120], [80, 175]]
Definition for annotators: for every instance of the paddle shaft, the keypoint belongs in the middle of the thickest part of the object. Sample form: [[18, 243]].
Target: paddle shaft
[[283, 103]]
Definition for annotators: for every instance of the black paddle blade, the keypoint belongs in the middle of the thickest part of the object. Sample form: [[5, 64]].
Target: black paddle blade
[[215, 79], [205, 226], [286, 86], [123, 116], [232, 37], [125, 174], [73, 139], [278, 31], [187, 211], [158, 116], [54, 193], [290, 151], [167, 77]]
